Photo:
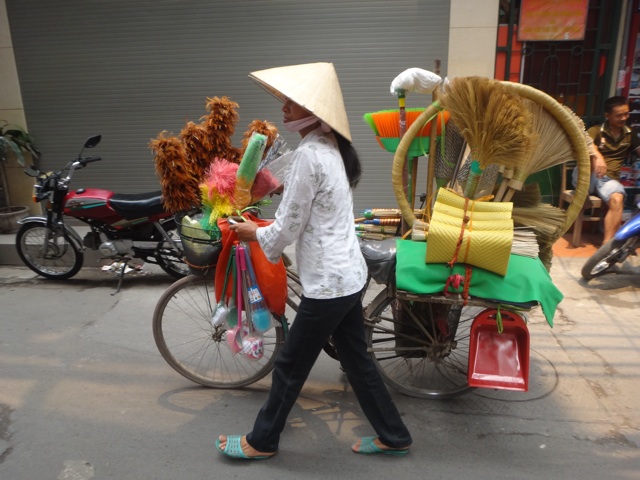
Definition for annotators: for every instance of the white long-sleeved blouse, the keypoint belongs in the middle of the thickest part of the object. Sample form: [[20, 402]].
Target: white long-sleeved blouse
[[316, 211]]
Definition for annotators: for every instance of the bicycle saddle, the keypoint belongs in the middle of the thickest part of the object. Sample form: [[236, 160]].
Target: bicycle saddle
[[380, 256]]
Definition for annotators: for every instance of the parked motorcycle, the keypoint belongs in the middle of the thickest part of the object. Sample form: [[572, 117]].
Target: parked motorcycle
[[624, 243], [123, 226]]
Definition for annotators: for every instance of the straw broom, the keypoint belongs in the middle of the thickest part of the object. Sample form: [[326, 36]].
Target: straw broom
[[547, 221], [492, 120], [552, 148]]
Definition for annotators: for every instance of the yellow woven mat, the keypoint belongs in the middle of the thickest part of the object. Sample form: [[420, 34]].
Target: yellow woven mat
[[486, 236]]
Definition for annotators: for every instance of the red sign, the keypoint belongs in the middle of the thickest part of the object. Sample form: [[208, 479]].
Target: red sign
[[551, 20]]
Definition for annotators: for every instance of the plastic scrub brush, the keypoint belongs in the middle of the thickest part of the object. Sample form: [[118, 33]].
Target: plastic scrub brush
[[248, 169]]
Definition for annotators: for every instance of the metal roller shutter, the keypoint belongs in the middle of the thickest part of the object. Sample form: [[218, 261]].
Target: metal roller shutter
[[128, 70]]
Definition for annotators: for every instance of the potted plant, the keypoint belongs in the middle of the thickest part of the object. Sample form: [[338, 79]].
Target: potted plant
[[15, 145]]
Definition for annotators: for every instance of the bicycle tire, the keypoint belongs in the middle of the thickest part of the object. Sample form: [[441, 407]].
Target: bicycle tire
[[414, 360], [197, 350], [170, 260]]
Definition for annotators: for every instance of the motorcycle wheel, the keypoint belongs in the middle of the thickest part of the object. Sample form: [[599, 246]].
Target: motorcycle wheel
[[429, 360], [49, 254], [604, 259], [168, 258]]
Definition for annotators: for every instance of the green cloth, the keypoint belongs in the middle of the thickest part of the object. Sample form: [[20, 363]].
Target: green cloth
[[526, 280]]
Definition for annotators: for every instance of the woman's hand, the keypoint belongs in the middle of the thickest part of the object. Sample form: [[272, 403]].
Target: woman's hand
[[246, 230]]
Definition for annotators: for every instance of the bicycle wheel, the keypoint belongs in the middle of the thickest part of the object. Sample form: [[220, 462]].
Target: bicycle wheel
[[196, 349], [48, 252], [420, 348], [168, 258]]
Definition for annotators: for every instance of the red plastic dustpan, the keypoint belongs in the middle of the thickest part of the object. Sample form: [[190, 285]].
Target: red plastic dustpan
[[499, 360]]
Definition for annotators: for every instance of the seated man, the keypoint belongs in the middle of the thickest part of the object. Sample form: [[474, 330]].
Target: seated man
[[616, 141]]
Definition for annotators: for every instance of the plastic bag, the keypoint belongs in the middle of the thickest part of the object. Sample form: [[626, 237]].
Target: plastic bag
[[272, 277], [415, 80]]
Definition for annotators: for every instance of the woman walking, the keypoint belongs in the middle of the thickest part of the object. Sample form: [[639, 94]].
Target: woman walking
[[316, 212]]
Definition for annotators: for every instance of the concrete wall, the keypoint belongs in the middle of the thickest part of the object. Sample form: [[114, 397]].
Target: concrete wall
[[473, 31], [12, 111], [472, 40]]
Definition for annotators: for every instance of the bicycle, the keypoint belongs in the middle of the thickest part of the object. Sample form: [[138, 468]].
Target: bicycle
[[421, 344], [197, 350]]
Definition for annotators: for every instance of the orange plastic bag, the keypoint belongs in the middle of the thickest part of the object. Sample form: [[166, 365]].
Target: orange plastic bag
[[272, 277]]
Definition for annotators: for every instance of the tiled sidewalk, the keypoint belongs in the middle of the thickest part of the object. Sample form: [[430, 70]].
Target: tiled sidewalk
[[590, 243]]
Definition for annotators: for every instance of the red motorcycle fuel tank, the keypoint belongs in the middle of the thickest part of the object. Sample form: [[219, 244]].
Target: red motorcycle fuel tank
[[91, 203]]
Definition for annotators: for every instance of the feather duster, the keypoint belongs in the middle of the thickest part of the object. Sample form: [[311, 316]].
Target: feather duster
[[262, 127], [220, 125], [179, 185], [217, 190], [197, 146]]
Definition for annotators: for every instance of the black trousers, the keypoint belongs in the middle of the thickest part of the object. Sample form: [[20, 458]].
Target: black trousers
[[315, 322]]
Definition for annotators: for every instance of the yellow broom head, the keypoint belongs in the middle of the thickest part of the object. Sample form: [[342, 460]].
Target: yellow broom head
[[492, 120]]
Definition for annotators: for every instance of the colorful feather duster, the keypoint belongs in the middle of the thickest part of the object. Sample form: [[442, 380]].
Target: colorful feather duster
[[217, 191]]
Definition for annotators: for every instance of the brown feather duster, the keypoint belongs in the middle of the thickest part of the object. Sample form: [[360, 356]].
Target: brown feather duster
[[179, 185], [197, 146], [263, 127], [182, 161], [220, 125]]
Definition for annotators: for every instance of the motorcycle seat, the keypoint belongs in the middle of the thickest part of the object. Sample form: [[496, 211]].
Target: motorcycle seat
[[137, 205]]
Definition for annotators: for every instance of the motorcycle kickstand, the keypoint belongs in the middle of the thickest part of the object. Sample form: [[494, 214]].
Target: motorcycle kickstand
[[120, 277]]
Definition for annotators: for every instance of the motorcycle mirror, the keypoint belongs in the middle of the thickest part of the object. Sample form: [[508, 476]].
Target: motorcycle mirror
[[92, 141]]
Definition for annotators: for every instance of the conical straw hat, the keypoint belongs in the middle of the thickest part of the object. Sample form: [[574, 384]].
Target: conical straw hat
[[313, 86]]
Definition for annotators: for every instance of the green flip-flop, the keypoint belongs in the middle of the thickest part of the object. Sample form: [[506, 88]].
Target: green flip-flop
[[367, 447], [233, 449]]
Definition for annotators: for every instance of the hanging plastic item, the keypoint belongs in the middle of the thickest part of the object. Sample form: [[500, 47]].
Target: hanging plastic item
[[234, 334], [260, 315], [252, 341], [221, 310]]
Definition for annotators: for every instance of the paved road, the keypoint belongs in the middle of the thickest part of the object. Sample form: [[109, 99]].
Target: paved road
[[84, 394]]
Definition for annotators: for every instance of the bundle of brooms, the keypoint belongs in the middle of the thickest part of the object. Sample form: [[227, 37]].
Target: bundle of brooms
[[523, 131]]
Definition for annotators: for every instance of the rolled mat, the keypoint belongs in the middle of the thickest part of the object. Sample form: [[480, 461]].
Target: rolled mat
[[526, 279]]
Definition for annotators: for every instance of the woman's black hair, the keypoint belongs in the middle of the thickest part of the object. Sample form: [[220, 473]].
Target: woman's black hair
[[350, 158]]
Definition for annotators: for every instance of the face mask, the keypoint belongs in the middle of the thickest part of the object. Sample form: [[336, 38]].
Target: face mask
[[297, 125]]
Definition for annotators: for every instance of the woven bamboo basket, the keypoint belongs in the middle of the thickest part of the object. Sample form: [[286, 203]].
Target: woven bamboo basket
[[555, 109]]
